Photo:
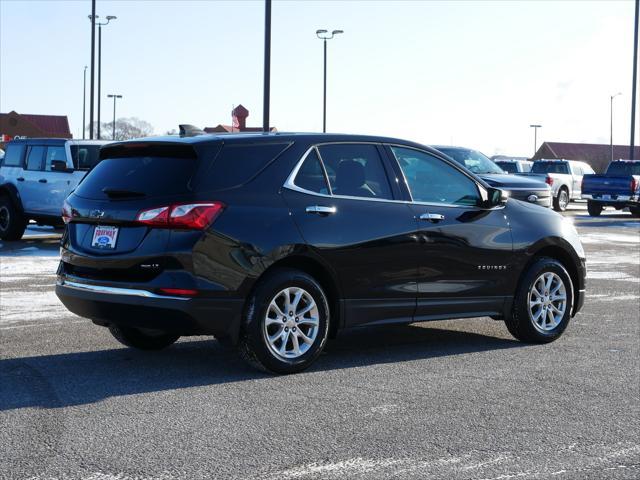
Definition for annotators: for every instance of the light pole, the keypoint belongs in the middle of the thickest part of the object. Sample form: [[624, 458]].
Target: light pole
[[92, 18], [535, 138], [113, 135], [100, 25], [611, 97], [267, 66], [324, 35], [84, 101]]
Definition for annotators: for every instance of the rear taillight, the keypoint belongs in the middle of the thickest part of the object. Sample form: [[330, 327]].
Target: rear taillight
[[548, 180], [66, 212], [181, 292], [634, 185], [196, 216]]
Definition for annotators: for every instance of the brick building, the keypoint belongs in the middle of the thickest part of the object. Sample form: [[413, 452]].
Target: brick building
[[15, 124]]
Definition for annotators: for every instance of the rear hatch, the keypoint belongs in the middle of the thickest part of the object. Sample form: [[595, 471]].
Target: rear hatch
[[610, 185]]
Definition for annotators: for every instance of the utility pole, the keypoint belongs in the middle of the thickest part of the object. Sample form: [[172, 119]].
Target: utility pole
[[93, 64], [267, 65], [84, 101], [535, 138], [611, 97], [635, 82], [324, 35], [113, 135]]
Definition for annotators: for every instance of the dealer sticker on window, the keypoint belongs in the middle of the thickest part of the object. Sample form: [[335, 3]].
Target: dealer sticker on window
[[105, 237]]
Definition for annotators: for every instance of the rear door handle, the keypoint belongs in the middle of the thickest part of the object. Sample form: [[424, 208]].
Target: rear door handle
[[432, 217], [43, 180], [321, 210], [20, 179]]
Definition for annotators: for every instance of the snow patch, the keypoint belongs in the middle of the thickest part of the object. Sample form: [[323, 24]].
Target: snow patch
[[609, 238], [619, 276]]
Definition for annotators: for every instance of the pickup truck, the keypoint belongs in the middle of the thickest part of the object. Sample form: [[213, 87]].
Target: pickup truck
[[36, 175], [619, 187], [563, 176]]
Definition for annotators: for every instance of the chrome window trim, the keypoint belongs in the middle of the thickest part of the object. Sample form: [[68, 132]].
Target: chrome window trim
[[290, 184], [115, 290]]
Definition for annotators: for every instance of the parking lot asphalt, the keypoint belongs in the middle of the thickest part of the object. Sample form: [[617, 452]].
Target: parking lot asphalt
[[447, 399]]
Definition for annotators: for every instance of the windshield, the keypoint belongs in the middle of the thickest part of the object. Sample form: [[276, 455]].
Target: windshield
[[473, 160], [624, 168], [549, 167]]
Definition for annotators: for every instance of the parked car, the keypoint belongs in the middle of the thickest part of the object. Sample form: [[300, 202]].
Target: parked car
[[564, 177], [514, 166], [619, 187], [36, 175], [274, 242], [532, 191]]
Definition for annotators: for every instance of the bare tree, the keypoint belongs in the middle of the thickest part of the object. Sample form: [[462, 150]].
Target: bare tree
[[126, 128]]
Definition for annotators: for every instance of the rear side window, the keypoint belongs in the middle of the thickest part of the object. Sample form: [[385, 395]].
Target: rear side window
[[549, 167], [236, 165], [54, 153], [355, 170], [13, 156], [85, 157], [138, 176], [311, 175], [35, 156]]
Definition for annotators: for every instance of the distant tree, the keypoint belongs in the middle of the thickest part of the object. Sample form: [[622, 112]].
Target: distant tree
[[173, 131], [126, 128]]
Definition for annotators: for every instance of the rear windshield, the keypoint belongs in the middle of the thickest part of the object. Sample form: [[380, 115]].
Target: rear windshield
[[549, 167], [85, 157], [508, 167], [141, 176], [624, 168]]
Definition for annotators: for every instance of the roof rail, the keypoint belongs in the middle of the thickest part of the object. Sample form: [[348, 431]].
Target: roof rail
[[187, 130]]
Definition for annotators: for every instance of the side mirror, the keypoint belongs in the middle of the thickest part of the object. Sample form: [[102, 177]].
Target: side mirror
[[496, 197], [60, 166]]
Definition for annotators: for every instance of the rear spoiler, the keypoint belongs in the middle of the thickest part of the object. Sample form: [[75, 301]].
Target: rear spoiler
[[148, 149]]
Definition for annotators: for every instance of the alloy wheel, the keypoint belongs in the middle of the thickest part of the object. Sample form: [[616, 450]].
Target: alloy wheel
[[547, 301], [563, 201], [291, 323]]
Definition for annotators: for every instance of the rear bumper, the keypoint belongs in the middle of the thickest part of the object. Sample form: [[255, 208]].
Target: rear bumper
[[144, 309], [614, 201]]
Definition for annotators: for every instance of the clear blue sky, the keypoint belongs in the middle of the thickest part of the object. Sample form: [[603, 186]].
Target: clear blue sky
[[468, 73]]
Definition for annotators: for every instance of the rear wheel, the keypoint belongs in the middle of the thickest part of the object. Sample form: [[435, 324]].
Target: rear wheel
[[142, 338], [594, 208], [286, 323], [561, 200], [12, 223], [542, 306]]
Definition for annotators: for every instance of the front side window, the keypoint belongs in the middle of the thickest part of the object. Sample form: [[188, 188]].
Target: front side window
[[475, 161], [432, 180], [34, 158], [13, 156], [356, 170], [55, 153], [311, 175]]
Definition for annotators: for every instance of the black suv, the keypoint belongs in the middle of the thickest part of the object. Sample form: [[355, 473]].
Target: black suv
[[274, 242]]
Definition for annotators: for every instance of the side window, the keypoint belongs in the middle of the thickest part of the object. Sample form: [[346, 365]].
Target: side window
[[433, 181], [586, 169], [34, 157], [311, 175], [356, 170], [577, 169], [54, 153], [85, 157], [13, 156]]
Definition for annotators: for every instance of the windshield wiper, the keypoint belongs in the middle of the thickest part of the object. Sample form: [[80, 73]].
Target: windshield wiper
[[121, 193]]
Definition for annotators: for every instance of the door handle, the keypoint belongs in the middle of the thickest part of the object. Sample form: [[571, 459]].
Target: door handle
[[321, 210], [432, 217], [43, 180], [20, 179]]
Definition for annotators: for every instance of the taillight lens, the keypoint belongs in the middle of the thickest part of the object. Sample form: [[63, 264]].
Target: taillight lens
[[67, 213], [634, 185], [549, 180], [196, 216]]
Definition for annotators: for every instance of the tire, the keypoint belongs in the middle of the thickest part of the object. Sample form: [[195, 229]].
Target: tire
[[635, 211], [266, 316], [12, 223], [521, 322], [142, 339], [594, 208], [561, 200]]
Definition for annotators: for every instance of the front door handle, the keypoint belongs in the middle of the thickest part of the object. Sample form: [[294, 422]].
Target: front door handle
[[432, 217], [20, 179], [321, 210], [43, 180]]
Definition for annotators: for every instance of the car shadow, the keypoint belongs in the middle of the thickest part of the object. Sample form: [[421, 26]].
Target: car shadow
[[61, 380]]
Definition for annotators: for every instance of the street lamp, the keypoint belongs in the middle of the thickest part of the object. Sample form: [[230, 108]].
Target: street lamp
[[100, 25], [113, 135], [324, 35], [84, 100], [611, 97], [535, 138]]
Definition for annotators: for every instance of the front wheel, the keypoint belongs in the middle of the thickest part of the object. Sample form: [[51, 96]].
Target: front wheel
[[12, 223], [142, 338], [561, 200], [286, 322], [594, 208], [542, 306]]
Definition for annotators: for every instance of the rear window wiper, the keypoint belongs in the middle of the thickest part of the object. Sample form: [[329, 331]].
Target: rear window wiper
[[121, 193]]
